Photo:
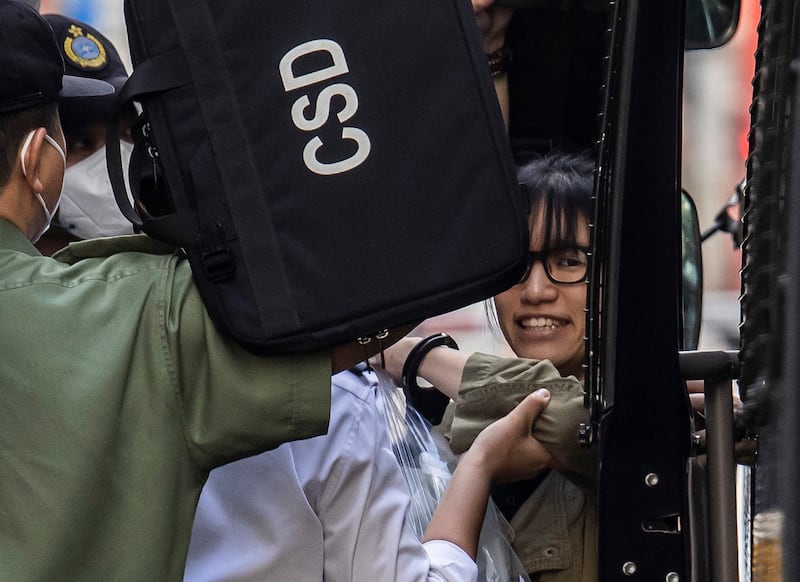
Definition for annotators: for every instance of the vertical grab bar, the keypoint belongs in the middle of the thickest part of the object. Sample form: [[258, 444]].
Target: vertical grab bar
[[717, 369]]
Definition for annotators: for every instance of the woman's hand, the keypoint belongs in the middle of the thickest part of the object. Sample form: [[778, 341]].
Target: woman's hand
[[745, 449], [506, 448], [493, 22], [504, 451]]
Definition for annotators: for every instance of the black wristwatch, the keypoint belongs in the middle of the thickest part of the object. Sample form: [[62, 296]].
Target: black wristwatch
[[429, 402]]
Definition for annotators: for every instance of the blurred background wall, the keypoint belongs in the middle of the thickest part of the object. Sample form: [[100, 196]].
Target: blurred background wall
[[716, 119]]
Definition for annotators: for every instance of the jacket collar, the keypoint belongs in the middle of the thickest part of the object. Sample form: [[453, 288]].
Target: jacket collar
[[11, 238]]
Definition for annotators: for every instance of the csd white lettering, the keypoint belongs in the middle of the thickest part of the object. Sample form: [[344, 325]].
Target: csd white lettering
[[322, 112]]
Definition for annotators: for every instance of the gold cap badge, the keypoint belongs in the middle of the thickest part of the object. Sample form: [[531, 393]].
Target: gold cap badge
[[84, 49]]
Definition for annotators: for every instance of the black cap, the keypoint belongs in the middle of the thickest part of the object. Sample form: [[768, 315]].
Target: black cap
[[87, 53], [31, 67]]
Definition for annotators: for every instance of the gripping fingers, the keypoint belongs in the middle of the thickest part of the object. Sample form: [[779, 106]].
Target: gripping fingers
[[532, 406], [481, 5]]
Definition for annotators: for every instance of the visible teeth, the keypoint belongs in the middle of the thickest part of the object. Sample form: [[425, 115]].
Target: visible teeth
[[540, 322]]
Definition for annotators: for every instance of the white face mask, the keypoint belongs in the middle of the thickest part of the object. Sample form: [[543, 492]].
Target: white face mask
[[88, 208], [23, 152]]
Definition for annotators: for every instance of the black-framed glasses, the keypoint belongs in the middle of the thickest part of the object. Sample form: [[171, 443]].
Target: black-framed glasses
[[563, 265]]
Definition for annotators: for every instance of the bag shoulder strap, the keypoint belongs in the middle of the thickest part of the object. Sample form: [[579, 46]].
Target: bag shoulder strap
[[156, 75], [241, 182]]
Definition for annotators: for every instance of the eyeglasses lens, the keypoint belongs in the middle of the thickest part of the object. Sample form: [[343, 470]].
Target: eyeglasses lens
[[567, 265], [562, 265]]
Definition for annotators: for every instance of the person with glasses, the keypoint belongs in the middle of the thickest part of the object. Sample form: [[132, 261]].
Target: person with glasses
[[118, 395], [543, 318], [336, 506]]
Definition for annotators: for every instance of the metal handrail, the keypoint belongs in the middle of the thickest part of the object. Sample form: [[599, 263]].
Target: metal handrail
[[717, 369]]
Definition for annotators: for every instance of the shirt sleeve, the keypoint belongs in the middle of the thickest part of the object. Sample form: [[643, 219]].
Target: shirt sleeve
[[491, 386], [235, 403], [334, 507], [363, 508], [449, 563]]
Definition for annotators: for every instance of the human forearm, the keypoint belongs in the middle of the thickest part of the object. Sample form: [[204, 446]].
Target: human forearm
[[501, 88], [461, 510], [441, 366], [504, 451], [347, 355], [493, 22], [492, 385]]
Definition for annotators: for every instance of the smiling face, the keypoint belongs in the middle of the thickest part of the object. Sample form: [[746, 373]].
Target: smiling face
[[545, 320]]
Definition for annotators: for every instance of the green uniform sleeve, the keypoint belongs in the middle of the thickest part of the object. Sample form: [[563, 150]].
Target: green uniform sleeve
[[491, 386], [236, 403]]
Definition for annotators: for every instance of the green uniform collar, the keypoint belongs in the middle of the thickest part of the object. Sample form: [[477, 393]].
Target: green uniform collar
[[12, 238], [105, 247]]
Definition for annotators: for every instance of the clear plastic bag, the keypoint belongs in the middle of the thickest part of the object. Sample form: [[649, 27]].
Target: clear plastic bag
[[426, 460]]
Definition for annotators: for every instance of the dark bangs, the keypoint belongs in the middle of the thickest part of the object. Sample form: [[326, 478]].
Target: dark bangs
[[559, 188]]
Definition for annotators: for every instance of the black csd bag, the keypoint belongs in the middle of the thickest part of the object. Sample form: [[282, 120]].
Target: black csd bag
[[332, 168]]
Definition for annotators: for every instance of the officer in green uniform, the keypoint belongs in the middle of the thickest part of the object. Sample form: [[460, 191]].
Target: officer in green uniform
[[88, 209], [117, 393]]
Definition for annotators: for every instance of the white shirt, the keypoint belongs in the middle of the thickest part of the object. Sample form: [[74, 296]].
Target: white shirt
[[328, 508]]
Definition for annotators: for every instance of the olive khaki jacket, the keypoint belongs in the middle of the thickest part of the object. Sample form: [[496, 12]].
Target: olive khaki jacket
[[118, 396], [554, 530]]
